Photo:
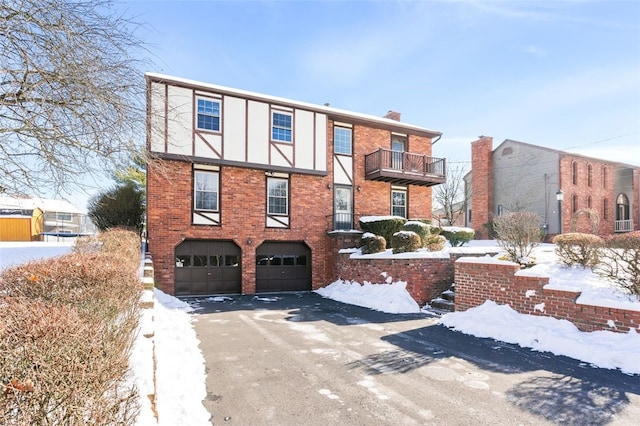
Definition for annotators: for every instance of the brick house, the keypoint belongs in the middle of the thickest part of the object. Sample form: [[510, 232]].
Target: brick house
[[252, 193], [517, 176]]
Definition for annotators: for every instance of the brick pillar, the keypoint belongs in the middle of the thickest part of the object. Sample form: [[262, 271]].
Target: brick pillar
[[481, 185]]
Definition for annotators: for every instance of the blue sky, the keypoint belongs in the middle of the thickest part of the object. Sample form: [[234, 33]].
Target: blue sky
[[562, 74]]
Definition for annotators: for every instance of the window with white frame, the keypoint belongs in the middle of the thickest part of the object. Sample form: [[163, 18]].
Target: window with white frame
[[399, 202], [278, 196], [206, 190], [208, 114], [342, 140], [281, 127]]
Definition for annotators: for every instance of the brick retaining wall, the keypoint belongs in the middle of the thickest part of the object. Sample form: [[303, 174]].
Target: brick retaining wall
[[426, 277], [479, 280]]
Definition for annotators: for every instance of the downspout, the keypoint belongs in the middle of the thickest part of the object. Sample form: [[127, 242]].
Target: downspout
[[437, 139]]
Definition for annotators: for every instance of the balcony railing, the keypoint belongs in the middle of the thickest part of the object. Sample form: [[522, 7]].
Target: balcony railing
[[404, 168], [340, 222], [623, 225]]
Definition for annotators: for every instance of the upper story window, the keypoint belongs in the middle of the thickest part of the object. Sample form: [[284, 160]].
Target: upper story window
[[278, 196], [64, 216], [574, 203], [399, 202], [281, 126], [574, 173], [206, 190], [208, 115], [589, 175], [342, 140], [604, 177], [589, 201]]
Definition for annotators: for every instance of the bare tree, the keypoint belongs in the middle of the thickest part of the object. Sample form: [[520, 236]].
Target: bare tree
[[450, 196], [71, 92]]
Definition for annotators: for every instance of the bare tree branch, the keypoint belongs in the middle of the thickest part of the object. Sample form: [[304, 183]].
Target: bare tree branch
[[450, 196], [71, 92]]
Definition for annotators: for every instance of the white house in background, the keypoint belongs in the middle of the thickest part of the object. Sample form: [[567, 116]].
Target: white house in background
[[61, 218]]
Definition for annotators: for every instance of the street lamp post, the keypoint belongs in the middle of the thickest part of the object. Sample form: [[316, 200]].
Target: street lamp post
[[560, 198]]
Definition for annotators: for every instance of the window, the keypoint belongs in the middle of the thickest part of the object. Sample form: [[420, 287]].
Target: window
[[574, 173], [589, 201], [64, 217], [206, 190], [399, 202], [605, 209], [507, 151], [604, 177], [622, 207], [589, 175], [574, 203], [281, 127], [342, 137], [278, 196], [208, 115]]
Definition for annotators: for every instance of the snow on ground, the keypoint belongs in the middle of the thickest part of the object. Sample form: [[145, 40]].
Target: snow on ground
[[180, 368], [604, 349], [18, 252]]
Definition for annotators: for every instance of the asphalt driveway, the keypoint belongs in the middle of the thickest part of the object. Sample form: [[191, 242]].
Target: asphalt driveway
[[300, 359]]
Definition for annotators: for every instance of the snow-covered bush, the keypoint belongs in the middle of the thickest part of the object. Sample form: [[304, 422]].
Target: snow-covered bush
[[422, 229], [575, 248], [435, 242], [620, 261], [405, 241], [372, 243], [384, 226], [457, 236], [518, 233]]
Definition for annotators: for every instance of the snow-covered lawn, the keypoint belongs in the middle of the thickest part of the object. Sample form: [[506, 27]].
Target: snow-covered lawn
[[179, 391]]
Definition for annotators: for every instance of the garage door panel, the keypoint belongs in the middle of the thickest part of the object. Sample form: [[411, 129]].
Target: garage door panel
[[283, 266], [208, 267]]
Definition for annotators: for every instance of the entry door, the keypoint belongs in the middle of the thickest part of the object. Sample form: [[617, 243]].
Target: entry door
[[398, 146], [343, 207]]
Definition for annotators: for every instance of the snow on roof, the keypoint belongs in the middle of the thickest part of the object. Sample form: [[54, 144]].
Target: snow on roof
[[315, 107], [30, 203]]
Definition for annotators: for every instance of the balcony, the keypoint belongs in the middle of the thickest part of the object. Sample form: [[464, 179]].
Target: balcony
[[404, 168], [623, 225]]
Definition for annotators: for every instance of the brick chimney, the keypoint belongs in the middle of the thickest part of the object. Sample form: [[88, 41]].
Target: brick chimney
[[392, 115], [481, 185]]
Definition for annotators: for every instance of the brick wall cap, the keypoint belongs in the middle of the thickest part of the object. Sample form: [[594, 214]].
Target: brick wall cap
[[534, 273], [388, 254], [486, 260]]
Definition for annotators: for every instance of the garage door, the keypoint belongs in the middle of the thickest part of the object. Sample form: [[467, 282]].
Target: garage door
[[283, 267], [207, 267]]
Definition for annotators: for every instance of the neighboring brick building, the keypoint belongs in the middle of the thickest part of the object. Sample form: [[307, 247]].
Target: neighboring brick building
[[253, 193], [517, 176]]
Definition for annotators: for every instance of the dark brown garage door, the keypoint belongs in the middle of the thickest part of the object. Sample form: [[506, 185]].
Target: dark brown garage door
[[283, 267], [207, 267]]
